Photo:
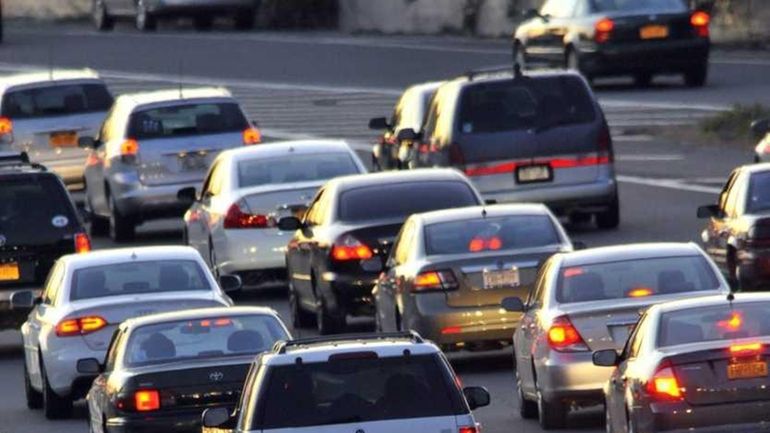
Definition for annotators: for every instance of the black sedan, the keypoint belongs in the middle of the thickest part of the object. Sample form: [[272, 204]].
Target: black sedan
[[618, 37], [162, 371], [338, 249], [693, 365]]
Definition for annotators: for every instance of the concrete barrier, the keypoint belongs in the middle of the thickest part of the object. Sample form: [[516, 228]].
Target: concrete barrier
[[46, 9]]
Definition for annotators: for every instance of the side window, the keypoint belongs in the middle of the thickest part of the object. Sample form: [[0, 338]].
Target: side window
[[249, 396], [732, 197], [51, 290], [314, 216], [395, 120], [216, 180], [112, 351], [431, 118], [725, 191], [105, 134], [401, 252], [536, 294], [634, 343], [581, 8], [558, 8]]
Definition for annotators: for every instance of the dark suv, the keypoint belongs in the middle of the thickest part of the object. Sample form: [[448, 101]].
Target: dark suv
[[38, 224], [536, 137]]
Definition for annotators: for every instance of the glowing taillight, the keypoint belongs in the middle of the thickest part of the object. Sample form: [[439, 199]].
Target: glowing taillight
[[663, 385], [603, 30], [80, 326], [349, 248], [604, 146], [468, 430], [252, 136], [564, 337], [236, 218], [639, 292], [6, 126], [147, 400], [82, 243], [700, 22], [480, 244], [747, 349], [734, 323], [128, 150], [434, 280]]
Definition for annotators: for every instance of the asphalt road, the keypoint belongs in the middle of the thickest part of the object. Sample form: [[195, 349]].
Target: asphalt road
[[325, 84]]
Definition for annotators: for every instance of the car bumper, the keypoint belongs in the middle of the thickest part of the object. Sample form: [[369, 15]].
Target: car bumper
[[185, 7], [681, 417], [188, 421], [588, 197], [657, 57], [144, 202], [251, 250], [351, 294], [60, 357], [571, 376]]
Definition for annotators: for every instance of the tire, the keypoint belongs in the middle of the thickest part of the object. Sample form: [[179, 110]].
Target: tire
[[34, 397], [102, 21], [643, 79], [609, 219], [245, 19], [328, 324], [551, 415], [203, 23], [527, 409], [696, 77], [122, 228], [54, 407], [733, 272], [145, 21], [299, 317], [519, 55], [98, 226]]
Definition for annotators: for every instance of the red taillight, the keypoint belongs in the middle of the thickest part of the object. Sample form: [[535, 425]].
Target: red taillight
[[434, 280], [468, 430], [456, 156], [734, 323], [663, 385], [6, 126], [604, 146], [80, 326], [236, 218], [252, 136], [746, 349], [128, 150], [147, 400], [603, 30], [82, 243], [639, 292], [700, 22], [349, 248], [480, 244], [564, 337]]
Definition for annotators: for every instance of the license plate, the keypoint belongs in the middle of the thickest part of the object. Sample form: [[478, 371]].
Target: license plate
[[747, 370], [193, 162], [534, 173], [9, 271], [653, 32], [63, 139], [501, 279]]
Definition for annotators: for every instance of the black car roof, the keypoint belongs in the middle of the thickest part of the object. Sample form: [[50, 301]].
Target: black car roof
[[630, 252], [492, 76], [395, 177]]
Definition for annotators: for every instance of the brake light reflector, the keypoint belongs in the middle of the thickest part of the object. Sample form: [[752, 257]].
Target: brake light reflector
[[6, 126], [349, 248], [238, 219], [564, 337], [747, 349], [147, 400], [700, 22], [434, 280], [603, 30], [663, 385], [604, 146], [80, 326], [252, 136], [82, 243]]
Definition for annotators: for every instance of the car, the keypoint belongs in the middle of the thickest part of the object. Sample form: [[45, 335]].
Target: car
[[232, 222], [38, 224], [161, 371], [390, 152], [338, 248], [525, 137], [449, 270], [693, 365], [601, 38], [85, 299], [761, 131], [737, 232], [587, 301], [377, 383], [146, 13], [44, 114], [150, 146]]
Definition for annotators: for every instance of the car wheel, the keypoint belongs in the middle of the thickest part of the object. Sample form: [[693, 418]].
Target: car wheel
[[122, 228], [299, 317], [734, 272], [98, 226], [245, 19], [203, 23], [328, 324], [102, 20], [54, 407], [551, 415], [34, 397], [527, 409], [610, 218], [519, 55], [145, 21], [643, 79], [696, 77]]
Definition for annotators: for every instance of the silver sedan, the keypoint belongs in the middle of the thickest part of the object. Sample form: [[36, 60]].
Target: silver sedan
[[84, 300], [588, 301]]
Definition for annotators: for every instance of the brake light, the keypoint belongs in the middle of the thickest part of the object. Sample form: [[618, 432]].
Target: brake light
[[480, 244], [604, 146], [603, 30], [456, 156], [572, 272], [747, 349], [80, 326], [663, 385], [468, 430], [128, 150], [147, 400], [6, 126], [564, 337], [238, 219], [82, 243], [639, 292], [252, 136], [349, 248], [733, 323], [700, 22], [434, 280]]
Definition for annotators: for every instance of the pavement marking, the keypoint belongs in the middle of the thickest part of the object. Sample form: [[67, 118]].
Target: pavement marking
[[616, 137], [677, 184]]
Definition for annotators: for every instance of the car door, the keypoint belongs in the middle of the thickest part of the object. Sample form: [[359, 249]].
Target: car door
[[720, 225], [99, 396], [208, 218], [392, 281], [95, 165], [40, 321], [619, 380], [301, 247], [526, 334]]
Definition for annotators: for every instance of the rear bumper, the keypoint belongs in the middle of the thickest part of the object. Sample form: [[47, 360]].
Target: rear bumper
[[571, 377], [184, 422], [251, 250], [657, 57], [145, 202], [349, 294], [587, 197], [682, 417]]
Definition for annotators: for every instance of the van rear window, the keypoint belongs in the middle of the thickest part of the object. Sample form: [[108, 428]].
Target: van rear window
[[537, 103], [35, 209], [186, 120], [59, 100]]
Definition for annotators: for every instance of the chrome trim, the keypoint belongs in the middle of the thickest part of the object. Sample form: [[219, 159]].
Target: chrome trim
[[493, 266]]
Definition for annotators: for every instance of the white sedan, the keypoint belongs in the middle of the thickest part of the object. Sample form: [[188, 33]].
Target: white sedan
[[87, 296], [232, 222]]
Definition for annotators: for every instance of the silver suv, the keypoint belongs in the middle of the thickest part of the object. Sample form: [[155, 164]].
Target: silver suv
[[152, 145], [377, 383]]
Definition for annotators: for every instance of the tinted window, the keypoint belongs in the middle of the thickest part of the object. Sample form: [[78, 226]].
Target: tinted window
[[136, 278], [56, 101], [525, 104], [635, 278], [186, 119], [356, 391], [35, 209], [294, 168], [638, 5], [202, 338], [402, 200], [489, 234], [721, 322], [758, 199]]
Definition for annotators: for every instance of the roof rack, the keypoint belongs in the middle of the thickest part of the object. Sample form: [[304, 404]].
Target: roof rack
[[18, 159], [280, 346]]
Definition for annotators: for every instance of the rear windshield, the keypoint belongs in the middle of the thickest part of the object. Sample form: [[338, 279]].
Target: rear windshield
[[715, 323], [403, 199], [60, 100], [511, 105], [35, 209], [212, 337], [294, 168], [638, 5], [357, 391], [635, 278], [758, 199], [490, 234], [138, 277], [186, 120]]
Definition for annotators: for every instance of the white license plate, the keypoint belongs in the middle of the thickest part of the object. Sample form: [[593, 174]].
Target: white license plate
[[533, 173], [501, 278]]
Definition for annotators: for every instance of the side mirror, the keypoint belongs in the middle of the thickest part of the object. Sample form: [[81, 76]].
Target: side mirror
[[407, 134], [760, 128], [187, 195], [289, 224], [87, 142], [531, 13], [379, 123], [477, 396], [89, 366], [24, 300], [606, 358], [710, 211], [490, 201], [579, 245], [230, 283], [215, 417], [513, 304]]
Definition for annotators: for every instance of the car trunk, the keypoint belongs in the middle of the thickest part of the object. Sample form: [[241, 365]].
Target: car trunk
[[378, 236], [650, 27], [606, 324], [281, 200], [181, 159]]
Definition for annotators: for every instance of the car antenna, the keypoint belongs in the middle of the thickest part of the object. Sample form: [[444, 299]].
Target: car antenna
[[730, 299]]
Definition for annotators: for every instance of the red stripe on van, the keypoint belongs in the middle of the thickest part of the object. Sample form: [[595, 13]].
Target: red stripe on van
[[556, 163]]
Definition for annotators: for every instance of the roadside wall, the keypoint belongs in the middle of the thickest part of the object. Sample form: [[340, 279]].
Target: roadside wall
[[46, 9]]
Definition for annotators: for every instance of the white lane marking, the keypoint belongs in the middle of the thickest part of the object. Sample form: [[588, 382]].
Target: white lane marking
[[661, 105], [651, 157], [633, 137], [669, 184]]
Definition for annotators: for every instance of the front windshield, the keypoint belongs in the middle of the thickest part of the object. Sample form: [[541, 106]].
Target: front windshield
[[721, 322]]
